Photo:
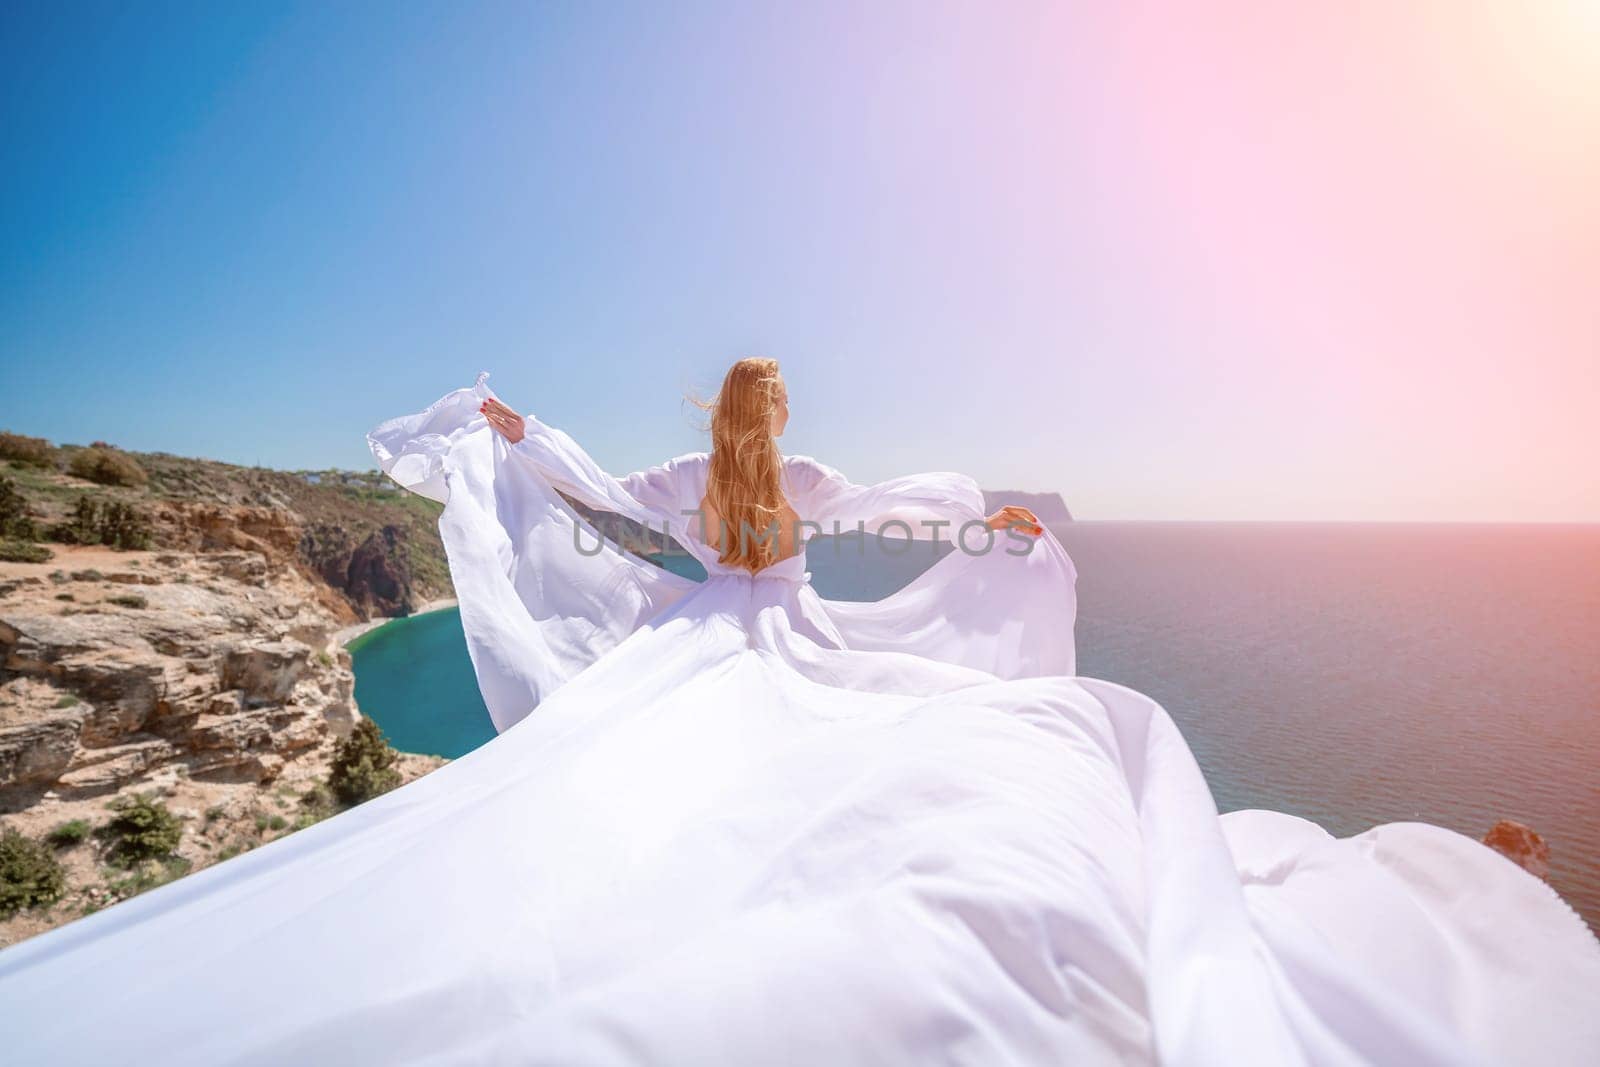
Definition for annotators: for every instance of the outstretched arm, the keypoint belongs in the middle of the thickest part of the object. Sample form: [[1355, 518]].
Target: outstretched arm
[[650, 496], [923, 504]]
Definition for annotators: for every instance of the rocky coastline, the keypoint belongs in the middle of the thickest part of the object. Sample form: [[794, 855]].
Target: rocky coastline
[[204, 670], [343, 636]]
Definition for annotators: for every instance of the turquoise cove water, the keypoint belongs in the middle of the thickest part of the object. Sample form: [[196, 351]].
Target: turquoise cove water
[[414, 678]]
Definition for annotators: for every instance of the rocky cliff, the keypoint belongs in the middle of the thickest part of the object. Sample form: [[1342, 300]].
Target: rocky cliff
[[119, 663], [210, 646], [175, 631]]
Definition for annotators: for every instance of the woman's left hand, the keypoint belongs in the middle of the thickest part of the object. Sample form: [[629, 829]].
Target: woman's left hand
[[506, 422], [1016, 517]]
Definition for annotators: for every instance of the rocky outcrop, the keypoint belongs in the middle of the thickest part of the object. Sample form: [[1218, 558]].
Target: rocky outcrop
[[373, 575], [379, 578], [205, 669], [219, 665], [264, 672], [203, 527], [36, 753], [375, 548]]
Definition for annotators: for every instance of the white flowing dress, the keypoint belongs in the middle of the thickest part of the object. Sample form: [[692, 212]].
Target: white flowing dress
[[733, 823]]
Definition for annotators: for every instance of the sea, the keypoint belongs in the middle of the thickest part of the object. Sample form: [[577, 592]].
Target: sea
[[1352, 674]]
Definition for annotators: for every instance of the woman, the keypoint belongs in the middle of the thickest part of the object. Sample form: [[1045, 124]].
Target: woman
[[750, 826]]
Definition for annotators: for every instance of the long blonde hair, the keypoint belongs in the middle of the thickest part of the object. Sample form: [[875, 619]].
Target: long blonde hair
[[742, 485]]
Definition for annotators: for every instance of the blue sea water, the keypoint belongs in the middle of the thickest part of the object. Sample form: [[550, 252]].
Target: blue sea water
[[1352, 674], [415, 679]]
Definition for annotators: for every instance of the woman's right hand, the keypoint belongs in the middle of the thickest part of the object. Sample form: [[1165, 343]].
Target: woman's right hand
[[506, 422], [1016, 517]]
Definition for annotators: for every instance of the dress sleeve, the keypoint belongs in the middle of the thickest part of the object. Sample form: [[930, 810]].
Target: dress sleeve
[[924, 503], [651, 495]]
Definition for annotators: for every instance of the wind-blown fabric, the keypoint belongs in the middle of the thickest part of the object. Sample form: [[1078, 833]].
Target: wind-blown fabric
[[733, 823]]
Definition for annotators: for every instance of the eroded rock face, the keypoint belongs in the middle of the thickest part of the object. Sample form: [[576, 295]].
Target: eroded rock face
[[1521, 845], [102, 770], [375, 575], [269, 532], [222, 666], [264, 671], [380, 578], [40, 752]]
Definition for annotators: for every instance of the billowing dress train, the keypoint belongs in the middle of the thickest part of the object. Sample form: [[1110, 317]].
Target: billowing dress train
[[732, 823]]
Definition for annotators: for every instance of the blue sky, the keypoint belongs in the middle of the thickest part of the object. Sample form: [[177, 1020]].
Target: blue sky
[[969, 232]]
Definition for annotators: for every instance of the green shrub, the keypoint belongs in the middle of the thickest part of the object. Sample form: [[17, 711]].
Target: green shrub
[[363, 765], [13, 551], [82, 526], [69, 833], [15, 519], [141, 829], [109, 522], [105, 465], [130, 600], [148, 874], [28, 451], [30, 874], [67, 700], [121, 526], [316, 804]]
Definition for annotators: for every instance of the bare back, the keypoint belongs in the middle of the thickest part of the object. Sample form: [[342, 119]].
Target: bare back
[[788, 530]]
